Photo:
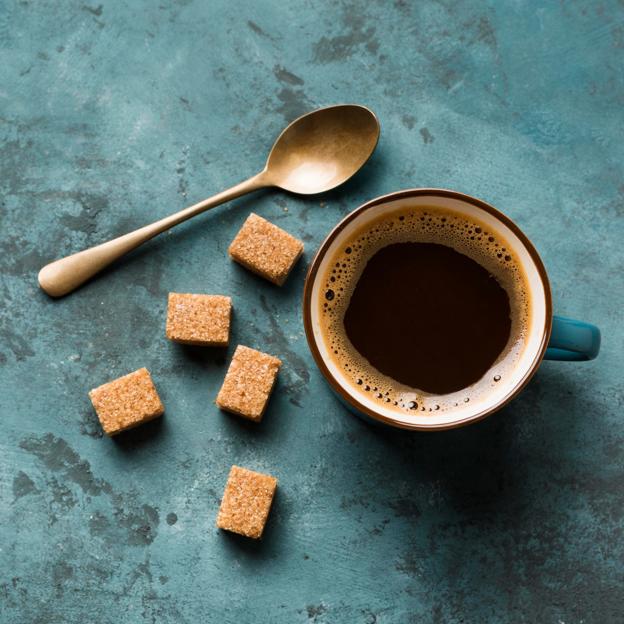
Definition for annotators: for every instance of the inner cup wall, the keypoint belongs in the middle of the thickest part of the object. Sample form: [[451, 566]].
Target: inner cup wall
[[534, 329]]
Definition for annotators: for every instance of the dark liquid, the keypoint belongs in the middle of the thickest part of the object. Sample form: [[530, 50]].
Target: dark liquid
[[428, 316]]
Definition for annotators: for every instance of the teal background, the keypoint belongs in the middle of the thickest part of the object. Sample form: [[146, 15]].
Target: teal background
[[113, 114]]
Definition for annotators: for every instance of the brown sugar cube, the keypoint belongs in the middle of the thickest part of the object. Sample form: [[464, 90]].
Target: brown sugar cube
[[246, 502], [265, 249], [126, 402], [248, 383], [202, 320]]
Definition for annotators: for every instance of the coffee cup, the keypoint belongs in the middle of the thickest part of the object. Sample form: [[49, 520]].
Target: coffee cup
[[538, 333]]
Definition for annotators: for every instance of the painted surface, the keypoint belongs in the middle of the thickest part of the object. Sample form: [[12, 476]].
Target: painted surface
[[113, 114]]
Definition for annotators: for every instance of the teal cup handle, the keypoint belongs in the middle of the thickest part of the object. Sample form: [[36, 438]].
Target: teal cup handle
[[572, 341]]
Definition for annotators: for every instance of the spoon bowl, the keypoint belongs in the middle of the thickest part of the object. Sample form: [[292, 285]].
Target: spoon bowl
[[322, 149]]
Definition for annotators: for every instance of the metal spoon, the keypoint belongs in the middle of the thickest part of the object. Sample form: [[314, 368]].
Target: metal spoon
[[315, 153]]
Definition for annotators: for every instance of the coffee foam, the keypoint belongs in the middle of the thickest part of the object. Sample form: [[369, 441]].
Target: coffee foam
[[426, 225]]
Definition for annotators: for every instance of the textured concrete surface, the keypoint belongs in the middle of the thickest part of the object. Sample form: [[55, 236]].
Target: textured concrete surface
[[115, 113]]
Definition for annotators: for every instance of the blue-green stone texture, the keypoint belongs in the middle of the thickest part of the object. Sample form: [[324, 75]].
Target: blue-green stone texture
[[113, 114]]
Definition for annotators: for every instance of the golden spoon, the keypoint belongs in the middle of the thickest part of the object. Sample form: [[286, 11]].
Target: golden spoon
[[315, 153]]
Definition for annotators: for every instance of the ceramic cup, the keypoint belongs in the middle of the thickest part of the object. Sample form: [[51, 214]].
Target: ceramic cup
[[548, 337]]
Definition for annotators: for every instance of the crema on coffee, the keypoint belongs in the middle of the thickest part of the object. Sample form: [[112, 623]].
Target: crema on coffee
[[424, 308]]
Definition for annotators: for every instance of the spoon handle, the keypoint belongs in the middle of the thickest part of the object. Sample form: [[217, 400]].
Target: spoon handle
[[65, 275]]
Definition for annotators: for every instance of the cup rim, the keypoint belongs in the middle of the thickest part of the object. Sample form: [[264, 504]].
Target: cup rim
[[313, 272]]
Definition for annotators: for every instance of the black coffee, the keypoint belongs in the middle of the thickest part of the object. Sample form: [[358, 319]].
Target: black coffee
[[428, 316], [424, 308]]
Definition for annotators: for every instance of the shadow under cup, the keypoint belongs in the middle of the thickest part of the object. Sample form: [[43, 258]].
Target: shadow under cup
[[537, 330]]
